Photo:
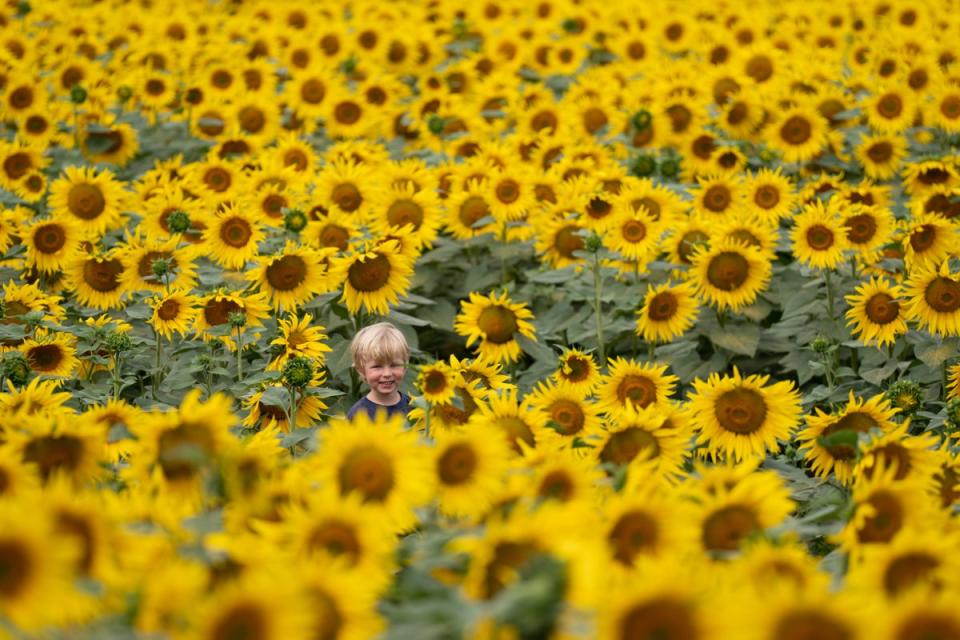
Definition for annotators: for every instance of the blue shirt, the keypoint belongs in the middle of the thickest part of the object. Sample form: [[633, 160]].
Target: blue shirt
[[365, 404]]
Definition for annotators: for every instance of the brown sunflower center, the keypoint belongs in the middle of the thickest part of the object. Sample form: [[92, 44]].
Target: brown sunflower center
[[633, 231], [634, 533], [689, 243], [403, 212], [819, 237], [508, 191], [368, 470], [49, 238], [16, 165], [45, 357], [797, 130], [703, 145], [880, 152], [252, 119], [21, 98], [54, 453], [924, 237], [575, 369], [16, 568], [928, 625], [890, 105], [347, 112], [882, 309], [717, 198], [217, 179], [943, 295], [908, 570], [80, 529], [435, 382], [659, 618], [473, 209], [680, 117], [623, 446], [287, 273], [236, 232], [856, 421], [950, 107], [102, 276], [759, 67], [295, 158], [725, 528], [741, 411], [498, 324], [217, 312], [803, 624], [36, 124], [337, 538], [169, 310], [334, 235], [557, 485], [860, 228], [567, 241], [766, 196], [457, 464], [347, 197], [370, 275], [516, 430], [663, 307], [544, 120], [728, 271], [637, 389], [567, 415], [886, 520], [244, 620], [86, 201], [221, 78], [182, 450]]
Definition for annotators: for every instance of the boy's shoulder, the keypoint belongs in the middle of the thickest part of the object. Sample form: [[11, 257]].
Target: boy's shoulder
[[371, 408]]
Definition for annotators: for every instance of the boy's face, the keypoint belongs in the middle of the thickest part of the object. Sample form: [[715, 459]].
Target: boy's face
[[383, 377]]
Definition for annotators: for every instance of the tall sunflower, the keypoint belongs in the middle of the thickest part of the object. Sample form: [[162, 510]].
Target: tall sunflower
[[629, 385], [291, 277], [94, 201], [668, 311], [933, 300], [495, 321], [875, 312], [298, 339], [373, 277], [97, 280], [232, 237], [51, 243], [730, 274], [50, 354], [173, 312], [743, 417]]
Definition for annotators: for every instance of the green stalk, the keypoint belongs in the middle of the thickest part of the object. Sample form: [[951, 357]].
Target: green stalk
[[117, 361], [826, 279], [239, 354], [292, 414]]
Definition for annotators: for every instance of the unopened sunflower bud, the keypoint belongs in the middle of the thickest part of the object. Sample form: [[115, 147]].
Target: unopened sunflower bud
[[160, 267], [295, 220], [124, 93], [298, 372], [435, 124], [820, 344], [643, 166], [669, 168], [118, 342], [905, 395], [237, 320], [641, 120], [178, 222], [16, 369], [952, 421], [593, 243], [78, 95]]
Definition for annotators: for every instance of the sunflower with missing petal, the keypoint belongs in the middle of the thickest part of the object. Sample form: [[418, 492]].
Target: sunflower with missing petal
[[373, 277], [494, 321], [298, 339], [857, 416], [50, 354], [875, 312], [730, 274], [379, 460], [742, 417], [668, 311], [291, 277], [51, 243], [469, 467], [929, 239], [232, 236], [97, 279], [818, 237], [933, 300], [173, 312], [94, 201]]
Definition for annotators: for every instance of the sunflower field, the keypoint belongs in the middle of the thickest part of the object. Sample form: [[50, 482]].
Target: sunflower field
[[681, 283]]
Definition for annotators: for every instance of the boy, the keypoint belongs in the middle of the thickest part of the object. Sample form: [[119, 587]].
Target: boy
[[380, 355]]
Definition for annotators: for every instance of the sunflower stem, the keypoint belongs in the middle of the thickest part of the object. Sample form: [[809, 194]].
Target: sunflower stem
[[597, 310], [117, 360], [292, 414], [239, 354], [853, 267], [156, 365], [829, 284], [651, 351]]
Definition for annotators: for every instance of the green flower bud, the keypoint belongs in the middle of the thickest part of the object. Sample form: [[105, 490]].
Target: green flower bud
[[124, 93], [643, 166], [23, 8], [298, 372], [237, 320], [436, 124], [641, 120], [78, 95], [295, 220], [16, 369], [593, 243], [821, 344], [669, 168], [349, 65], [905, 395], [570, 25], [178, 222], [160, 267], [118, 342]]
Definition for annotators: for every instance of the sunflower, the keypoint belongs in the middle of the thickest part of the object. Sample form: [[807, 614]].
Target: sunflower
[[92, 200], [740, 417], [647, 441], [97, 280], [487, 373], [263, 414], [373, 277], [334, 229], [52, 243], [911, 456], [945, 111], [819, 238], [469, 467], [564, 414], [857, 416], [381, 462], [558, 239], [175, 311], [881, 155], [890, 109], [468, 212], [868, 229], [436, 382], [140, 261], [513, 418], [633, 234], [716, 196], [253, 605], [562, 476], [688, 237], [933, 300], [404, 209], [799, 134], [629, 385], [299, 339], [668, 311], [875, 312], [16, 161], [344, 185], [920, 177], [742, 115], [920, 613], [809, 613], [216, 307], [292, 277], [116, 144], [768, 194], [50, 354], [929, 240], [341, 605], [495, 321], [577, 369], [730, 274], [232, 237]]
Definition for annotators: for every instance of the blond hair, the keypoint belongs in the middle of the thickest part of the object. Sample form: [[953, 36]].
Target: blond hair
[[378, 343]]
